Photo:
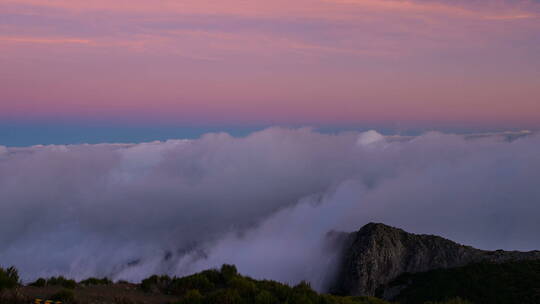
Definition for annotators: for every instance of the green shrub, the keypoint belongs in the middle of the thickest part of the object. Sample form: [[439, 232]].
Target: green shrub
[[95, 281], [516, 282], [9, 278], [200, 281], [265, 297], [224, 296], [41, 282], [192, 296], [54, 281], [246, 287], [156, 283], [61, 281], [228, 271]]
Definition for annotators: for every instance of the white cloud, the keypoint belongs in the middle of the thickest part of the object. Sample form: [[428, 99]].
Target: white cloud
[[3, 151], [369, 137], [264, 202]]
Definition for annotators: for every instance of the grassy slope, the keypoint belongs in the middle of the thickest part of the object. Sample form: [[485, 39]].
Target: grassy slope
[[224, 286], [507, 283], [516, 282]]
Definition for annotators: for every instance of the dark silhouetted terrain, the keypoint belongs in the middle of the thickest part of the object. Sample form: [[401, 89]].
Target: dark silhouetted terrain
[[377, 254], [223, 286], [481, 283], [379, 262]]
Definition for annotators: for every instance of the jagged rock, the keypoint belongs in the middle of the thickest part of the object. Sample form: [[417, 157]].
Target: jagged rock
[[377, 254]]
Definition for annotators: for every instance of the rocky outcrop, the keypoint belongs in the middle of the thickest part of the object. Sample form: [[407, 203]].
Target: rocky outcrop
[[377, 254]]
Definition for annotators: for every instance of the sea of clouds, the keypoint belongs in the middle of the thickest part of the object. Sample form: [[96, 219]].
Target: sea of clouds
[[264, 202]]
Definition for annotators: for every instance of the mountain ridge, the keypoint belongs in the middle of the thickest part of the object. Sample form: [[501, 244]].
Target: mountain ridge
[[377, 253]]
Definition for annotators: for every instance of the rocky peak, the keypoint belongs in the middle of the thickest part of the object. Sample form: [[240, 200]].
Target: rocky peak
[[376, 254]]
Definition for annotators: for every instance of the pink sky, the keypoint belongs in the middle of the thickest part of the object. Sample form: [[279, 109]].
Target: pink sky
[[283, 62]]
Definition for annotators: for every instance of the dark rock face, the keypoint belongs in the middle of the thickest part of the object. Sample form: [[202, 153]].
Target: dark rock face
[[377, 254]]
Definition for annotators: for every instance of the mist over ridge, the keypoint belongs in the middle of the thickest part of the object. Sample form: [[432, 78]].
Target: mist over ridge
[[263, 202]]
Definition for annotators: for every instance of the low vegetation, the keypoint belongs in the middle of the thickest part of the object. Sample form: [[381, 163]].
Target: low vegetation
[[483, 283], [515, 282], [226, 286], [96, 281], [55, 281], [9, 278]]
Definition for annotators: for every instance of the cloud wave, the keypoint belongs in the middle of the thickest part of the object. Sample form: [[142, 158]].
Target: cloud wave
[[264, 202]]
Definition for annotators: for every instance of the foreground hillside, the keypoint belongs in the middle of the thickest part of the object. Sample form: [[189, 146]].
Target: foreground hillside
[[379, 262], [224, 286], [482, 283]]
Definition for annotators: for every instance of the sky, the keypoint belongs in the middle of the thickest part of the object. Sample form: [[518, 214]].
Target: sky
[[131, 131], [245, 65]]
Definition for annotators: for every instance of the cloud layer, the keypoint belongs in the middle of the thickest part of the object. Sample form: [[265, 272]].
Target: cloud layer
[[264, 202]]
